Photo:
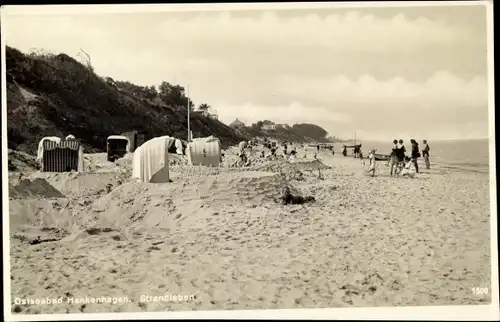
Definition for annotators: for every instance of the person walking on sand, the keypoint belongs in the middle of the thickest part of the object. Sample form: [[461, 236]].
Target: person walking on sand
[[371, 157], [425, 154], [415, 153]]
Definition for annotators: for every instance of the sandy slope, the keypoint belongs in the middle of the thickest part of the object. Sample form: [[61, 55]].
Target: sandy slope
[[366, 241]]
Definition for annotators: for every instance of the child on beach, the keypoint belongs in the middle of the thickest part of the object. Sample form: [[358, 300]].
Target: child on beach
[[408, 170], [371, 167]]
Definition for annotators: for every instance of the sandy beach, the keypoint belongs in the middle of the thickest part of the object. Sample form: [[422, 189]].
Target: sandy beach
[[217, 237]]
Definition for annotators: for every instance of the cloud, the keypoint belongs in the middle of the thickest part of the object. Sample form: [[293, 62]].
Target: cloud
[[343, 33], [443, 90], [442, 106]]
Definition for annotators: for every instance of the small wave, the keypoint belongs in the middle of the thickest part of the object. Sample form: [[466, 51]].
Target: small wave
[[465, 166]]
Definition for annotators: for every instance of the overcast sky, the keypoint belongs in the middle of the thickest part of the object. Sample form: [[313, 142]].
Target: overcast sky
[[417, 72]]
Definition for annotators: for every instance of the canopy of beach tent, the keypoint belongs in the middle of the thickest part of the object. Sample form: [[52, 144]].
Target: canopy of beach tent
[[204, 151], [150, 161], [117, 146], [62, 156], [55, 139]]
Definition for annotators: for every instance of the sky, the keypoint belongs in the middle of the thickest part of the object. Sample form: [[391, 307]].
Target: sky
[[382, 73]]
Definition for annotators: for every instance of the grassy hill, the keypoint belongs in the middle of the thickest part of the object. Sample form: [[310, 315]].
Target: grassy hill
[[55, 95]]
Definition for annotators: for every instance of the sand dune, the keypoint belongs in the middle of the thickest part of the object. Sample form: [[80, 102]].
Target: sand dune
[[219, 235]]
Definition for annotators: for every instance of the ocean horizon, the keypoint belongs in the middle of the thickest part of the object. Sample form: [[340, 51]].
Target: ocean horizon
[[456, 153]]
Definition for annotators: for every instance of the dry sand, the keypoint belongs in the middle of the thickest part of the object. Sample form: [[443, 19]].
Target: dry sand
[[219, 235]]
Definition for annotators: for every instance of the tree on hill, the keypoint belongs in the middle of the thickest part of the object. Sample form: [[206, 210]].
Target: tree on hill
[[174, 95], [310, 130], [257, 126], [148, 92], [204, 107]]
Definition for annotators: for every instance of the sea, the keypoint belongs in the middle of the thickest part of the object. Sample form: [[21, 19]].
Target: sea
[[472, 154]]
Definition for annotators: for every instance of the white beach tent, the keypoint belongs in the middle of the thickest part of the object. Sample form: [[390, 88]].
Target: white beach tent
[[204, 151], [150, 161], [178, 146], [242, 145], [120, 138], [40, 145]]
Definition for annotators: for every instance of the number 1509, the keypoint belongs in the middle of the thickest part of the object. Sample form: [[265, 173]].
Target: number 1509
[[479, 290]]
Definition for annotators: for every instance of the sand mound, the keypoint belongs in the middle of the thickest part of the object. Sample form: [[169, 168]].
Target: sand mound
[[82, 183], [22, 162], [37, 188], [98, 162], [168, 205], [41, 213], [290, 169]]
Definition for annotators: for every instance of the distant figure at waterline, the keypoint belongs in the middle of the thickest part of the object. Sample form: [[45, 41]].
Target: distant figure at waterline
[[425, 154]]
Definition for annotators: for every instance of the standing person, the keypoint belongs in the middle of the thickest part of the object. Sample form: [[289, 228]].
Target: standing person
[[344, 151], [425, 154], [415, 153], [402, 151], [317, 148], [371, 157], [393, 161]]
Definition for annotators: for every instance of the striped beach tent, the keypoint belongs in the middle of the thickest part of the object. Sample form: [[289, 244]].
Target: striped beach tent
[[65, 156], [204, 151], [55, 139]]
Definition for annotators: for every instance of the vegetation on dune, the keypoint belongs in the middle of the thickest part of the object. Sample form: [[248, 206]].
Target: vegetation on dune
[[52, 94], [49, 94]]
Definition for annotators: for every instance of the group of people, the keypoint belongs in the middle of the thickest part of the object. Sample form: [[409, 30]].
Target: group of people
[[399, 162], [272, 147], [356, 151]]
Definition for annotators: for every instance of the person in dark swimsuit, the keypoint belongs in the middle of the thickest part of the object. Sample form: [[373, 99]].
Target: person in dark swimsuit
[[401, 151], [415, 153], [425, 154], [393, 161]]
